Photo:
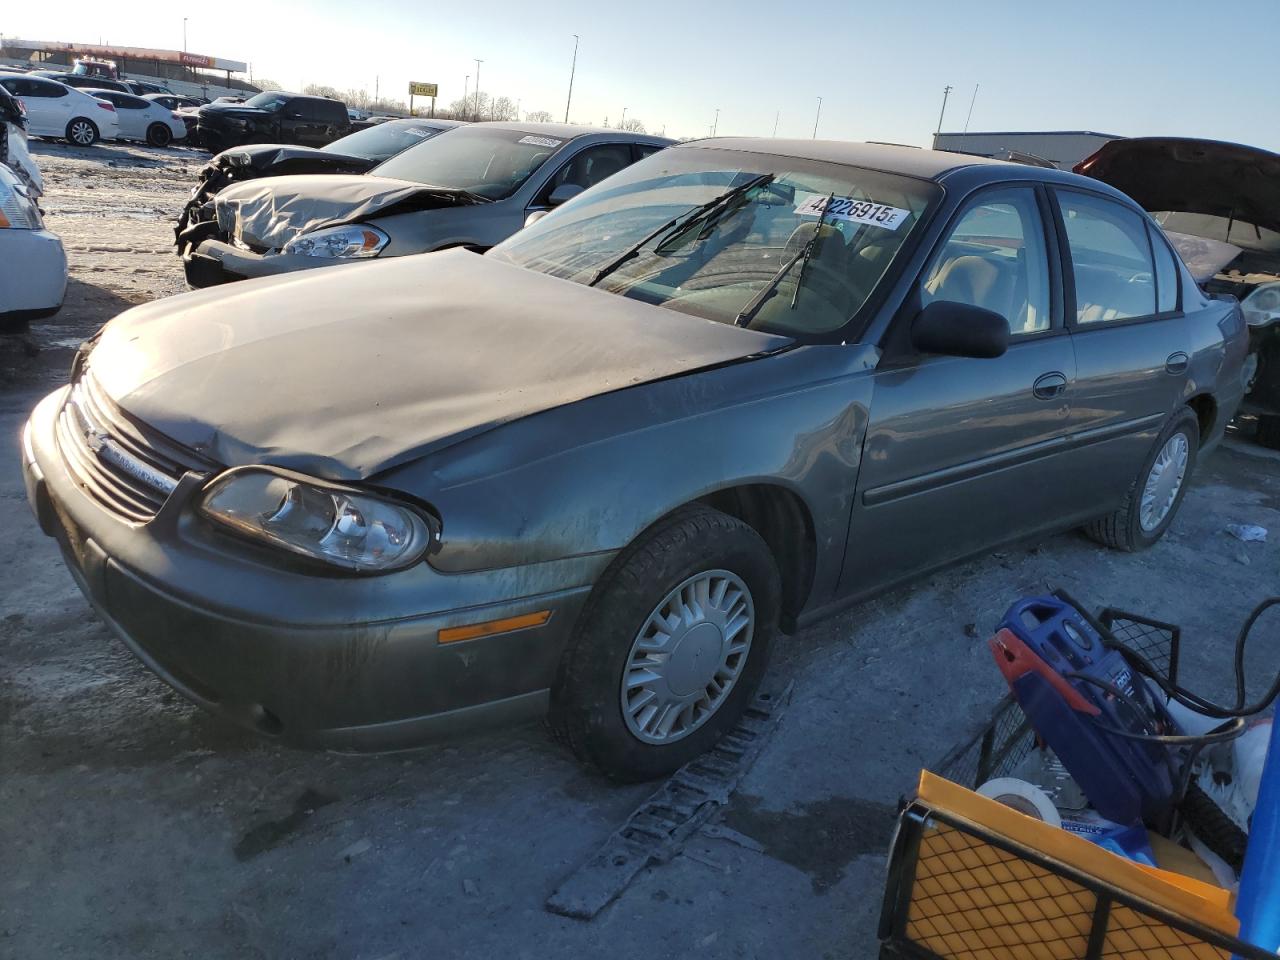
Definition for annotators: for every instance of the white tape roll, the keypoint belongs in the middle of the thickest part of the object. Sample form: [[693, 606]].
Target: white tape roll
[[1024, 797]]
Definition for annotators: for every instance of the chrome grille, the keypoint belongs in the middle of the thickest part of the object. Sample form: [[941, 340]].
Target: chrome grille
[[125, 467]]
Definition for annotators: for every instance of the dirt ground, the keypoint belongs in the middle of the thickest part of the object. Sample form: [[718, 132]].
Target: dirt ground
[[133, 825]]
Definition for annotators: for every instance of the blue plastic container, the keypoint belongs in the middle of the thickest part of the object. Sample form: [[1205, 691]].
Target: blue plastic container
[[1258, 905]]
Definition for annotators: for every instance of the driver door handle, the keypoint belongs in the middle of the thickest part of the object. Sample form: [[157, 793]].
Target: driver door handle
[[1050, 386]]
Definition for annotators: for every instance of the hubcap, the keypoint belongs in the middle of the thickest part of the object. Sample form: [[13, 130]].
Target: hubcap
[[81, 133], [687, 657], [1164, 481]]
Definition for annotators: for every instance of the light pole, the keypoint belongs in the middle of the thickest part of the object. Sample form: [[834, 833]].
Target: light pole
[[573, 67], [517, 111], [184, 34], [815, 120], [776, 117], [715, 124], [622, 124], [946, 92], [466, 87], [478, 62]]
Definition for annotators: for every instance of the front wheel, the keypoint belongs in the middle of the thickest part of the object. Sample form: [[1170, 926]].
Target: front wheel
[[82, 132], [158, 135], [670, 647], [1153, 498]]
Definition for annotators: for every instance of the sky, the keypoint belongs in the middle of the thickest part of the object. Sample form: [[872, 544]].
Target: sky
[[1125, 67]]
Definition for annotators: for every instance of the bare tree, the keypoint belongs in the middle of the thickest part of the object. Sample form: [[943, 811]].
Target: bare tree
[[321, 90], [501, 108], [538, 116], [634, 125], [268, 85]]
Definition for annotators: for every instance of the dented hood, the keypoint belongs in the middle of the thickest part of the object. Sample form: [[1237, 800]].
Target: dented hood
[[346, 372], [268, 214]]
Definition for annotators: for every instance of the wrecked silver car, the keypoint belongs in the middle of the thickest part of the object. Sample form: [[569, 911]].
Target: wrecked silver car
[[357, 152], [592, 473], [473, 187], [1220, 205]]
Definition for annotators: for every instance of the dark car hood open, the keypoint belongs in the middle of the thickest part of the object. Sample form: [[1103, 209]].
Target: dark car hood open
[[280, 158], [1192, 176], [345, 372], [267, 214]]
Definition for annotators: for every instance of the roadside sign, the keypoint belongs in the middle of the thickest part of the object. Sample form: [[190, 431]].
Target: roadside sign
[[417, 89]]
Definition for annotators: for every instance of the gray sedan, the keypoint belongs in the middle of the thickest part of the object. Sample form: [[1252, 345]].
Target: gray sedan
[[473, 187], [594, 473]]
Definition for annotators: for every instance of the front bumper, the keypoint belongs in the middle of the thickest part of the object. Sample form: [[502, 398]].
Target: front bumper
[[213, 261], [346, 663]]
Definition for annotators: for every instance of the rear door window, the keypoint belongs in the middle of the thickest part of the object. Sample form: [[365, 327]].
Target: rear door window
[[1167, 277], [1110, 259]]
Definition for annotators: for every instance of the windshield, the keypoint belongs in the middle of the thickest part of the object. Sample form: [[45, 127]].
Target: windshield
[[267, 101], [797, 252], [382, 141], [491, 163]]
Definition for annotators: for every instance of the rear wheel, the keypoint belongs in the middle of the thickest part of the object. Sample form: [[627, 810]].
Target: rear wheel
[[82, 131], [1156, 493], [159, 135], [670, 648]]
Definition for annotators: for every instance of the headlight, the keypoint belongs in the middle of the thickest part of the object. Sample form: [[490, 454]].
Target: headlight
[[351, 242], [17, 210], [355, 531], [1262, 307]]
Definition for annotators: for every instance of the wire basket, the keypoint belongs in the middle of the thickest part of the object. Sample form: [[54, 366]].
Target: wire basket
[[957, 891], [1006, 739]]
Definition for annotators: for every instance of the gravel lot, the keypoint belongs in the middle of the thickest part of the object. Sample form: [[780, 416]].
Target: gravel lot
[[133, 825]]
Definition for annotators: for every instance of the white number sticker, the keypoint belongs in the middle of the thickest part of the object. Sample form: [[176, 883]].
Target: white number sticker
[[855, 211], [540, 141]]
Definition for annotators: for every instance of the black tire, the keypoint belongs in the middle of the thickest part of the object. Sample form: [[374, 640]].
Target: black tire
[[82, 132], [586, 709], [1122, 530], [159, 135], [1268, 434]]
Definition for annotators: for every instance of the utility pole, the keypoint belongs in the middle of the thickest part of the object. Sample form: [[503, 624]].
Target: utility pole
[[816, 117], [622, 124], [970, 115], [946, 92], [715, 124], [184, 34], [466, 86], [573, 67], [776, 117], [478, 62], [376, 80]]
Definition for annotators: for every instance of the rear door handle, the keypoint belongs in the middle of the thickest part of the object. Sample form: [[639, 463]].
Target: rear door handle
[[1177, 363], [1050, 386]]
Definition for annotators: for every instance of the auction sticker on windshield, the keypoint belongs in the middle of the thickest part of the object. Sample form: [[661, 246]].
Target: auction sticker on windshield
[[855, 211], [540, 141]]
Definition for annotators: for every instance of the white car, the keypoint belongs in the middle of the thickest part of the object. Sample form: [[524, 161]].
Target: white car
[[56, 110], [34, 279], [142, 119]]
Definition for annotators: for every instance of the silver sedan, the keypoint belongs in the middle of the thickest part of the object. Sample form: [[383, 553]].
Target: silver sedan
[[470, 187]]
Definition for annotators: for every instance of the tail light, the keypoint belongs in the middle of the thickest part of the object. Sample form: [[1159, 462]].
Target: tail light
[[107, 106]]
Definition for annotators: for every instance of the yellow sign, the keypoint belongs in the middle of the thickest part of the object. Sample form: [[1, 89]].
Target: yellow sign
[[422, 89]]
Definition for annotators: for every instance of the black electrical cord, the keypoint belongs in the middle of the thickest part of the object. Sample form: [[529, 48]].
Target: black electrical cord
[[1186, 697]]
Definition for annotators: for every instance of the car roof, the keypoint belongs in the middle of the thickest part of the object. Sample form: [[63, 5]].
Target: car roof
[[565, 131], [892, 158]]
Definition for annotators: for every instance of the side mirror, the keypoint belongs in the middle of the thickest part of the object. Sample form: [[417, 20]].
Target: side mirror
[[534, 217], [960, 330], [563, 194]]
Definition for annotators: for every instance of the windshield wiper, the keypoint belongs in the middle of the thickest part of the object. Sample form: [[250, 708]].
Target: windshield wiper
[[751, 309], [681, 220]]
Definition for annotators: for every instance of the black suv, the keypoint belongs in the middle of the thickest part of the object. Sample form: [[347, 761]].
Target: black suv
[[272, 117]]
